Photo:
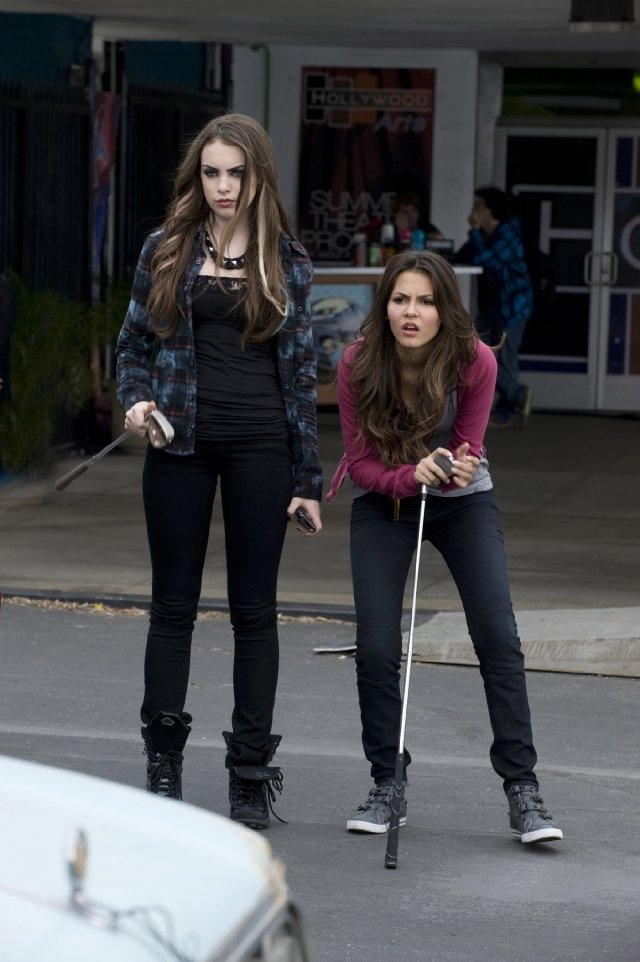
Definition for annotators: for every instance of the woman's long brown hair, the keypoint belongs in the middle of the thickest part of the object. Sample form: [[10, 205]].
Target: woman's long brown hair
[[265, 301], [402, 436]]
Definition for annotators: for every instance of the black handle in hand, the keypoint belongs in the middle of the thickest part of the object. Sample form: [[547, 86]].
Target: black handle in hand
[[303, 519], [393, 835], [445, 462]]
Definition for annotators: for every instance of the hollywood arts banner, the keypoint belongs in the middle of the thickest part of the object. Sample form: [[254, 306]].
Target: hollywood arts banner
[[366, 133]]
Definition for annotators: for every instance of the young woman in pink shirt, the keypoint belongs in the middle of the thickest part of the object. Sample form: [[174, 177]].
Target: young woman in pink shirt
[[418, 384]]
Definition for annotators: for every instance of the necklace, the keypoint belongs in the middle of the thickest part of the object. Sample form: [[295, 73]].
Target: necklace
[[228, 263]]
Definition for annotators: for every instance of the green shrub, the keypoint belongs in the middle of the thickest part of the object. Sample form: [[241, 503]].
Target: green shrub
[[51, 376]]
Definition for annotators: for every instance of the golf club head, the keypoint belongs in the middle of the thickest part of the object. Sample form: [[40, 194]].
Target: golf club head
[[159, 431]]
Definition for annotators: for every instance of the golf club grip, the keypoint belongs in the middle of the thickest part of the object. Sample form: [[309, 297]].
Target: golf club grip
[[70, 476], [393, 835]]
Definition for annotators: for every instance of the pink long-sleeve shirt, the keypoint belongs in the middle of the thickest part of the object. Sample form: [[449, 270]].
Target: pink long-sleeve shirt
[[465, 419]]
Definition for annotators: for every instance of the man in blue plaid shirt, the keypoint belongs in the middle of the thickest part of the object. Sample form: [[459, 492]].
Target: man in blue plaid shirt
[[505, 296]]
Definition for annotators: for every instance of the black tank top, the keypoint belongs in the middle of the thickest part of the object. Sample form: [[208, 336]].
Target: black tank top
[[239, 396]]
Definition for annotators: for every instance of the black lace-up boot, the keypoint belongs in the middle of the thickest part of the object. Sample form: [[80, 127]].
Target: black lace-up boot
[[251, 788], [164, 739]]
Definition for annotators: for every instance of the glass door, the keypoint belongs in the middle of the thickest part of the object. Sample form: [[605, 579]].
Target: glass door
[[578, 190], [618, 291]]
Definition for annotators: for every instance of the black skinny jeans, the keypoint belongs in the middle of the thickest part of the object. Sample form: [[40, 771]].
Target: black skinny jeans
[[467, 532], [255, 486]]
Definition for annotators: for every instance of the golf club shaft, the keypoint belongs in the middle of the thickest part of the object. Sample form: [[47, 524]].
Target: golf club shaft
[[393, 835], [79, 469]]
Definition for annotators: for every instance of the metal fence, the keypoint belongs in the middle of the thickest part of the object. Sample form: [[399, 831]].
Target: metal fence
[[45, 156], [155, 127], [47, 203], [46, 174]]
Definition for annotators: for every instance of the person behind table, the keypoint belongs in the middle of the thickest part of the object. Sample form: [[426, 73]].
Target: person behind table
[[505, 296], [408, 223], [218, 337], [419, 383], [406, 217]]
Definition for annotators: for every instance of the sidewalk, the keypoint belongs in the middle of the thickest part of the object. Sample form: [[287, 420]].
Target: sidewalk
[[568, 487]]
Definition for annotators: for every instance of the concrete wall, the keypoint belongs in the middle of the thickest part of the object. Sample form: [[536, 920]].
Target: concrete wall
[[454, 144]]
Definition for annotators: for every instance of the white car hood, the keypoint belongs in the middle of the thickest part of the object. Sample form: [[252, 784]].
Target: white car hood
[[207, 877]]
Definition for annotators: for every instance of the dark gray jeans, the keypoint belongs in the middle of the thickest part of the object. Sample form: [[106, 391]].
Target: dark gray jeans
[[467, 532]]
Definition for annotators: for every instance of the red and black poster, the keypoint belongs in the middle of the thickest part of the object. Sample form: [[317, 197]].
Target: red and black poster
[[366, 135]]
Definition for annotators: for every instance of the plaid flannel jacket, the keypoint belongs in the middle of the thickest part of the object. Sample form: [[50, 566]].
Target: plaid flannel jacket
[[503, 254], [165, 370]]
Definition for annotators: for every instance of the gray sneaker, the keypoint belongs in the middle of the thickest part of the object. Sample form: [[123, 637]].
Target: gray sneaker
[[374, 815], [528, 817]]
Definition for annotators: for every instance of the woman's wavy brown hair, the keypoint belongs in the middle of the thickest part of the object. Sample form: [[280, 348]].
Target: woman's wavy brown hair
[[402, 436], [265, 301]]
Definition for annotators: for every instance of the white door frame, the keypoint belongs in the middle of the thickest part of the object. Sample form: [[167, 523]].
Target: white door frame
[[595, 390]]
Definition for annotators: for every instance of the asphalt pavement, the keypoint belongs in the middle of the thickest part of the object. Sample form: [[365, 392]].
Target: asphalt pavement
[[465, 890]]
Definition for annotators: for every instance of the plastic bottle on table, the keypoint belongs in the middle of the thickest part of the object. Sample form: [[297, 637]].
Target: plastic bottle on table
[[387, 241], [375, 255], [359, 246]]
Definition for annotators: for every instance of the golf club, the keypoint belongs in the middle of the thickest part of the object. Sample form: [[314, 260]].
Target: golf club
[[159, 432], [391, 853]]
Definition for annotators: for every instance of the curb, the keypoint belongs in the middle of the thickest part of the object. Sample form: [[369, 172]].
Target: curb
[[601, 641], [289, 609]]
